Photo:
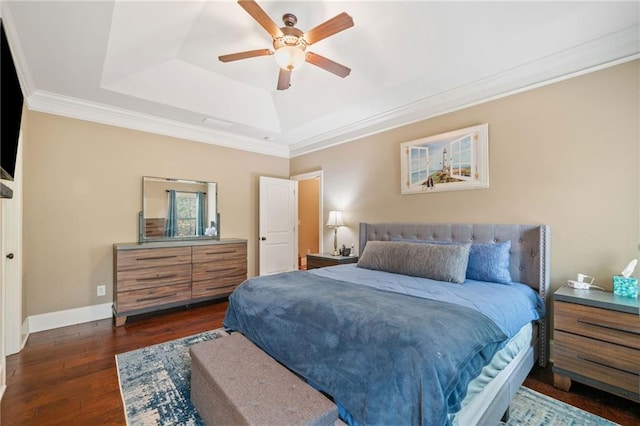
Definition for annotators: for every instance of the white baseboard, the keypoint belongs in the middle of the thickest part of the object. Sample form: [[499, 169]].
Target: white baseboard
[[51, 320], [24, 332]]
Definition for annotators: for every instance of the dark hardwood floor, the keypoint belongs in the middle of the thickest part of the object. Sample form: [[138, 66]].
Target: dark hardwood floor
[[67, 376]]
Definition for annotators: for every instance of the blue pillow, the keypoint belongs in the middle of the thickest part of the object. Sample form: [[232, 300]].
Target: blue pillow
[[490, 262], [487, 262]]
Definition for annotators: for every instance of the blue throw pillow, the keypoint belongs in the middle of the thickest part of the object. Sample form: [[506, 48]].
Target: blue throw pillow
[[490, 262], [487, 262]]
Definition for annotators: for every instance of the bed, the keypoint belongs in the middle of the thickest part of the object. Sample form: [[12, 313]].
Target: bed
[[394, 339]]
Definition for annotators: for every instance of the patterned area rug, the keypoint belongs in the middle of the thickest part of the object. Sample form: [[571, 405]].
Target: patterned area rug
[[155, 387], [155, 382], [532, 408]]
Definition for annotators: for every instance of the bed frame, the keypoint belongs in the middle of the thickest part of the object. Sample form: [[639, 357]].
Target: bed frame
[[530, 255]]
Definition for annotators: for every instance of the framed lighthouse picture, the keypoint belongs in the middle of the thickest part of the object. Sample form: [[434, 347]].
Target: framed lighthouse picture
[[452, 161]]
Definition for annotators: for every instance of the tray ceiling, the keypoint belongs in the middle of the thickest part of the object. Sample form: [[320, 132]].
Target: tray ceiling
[[152, 65]]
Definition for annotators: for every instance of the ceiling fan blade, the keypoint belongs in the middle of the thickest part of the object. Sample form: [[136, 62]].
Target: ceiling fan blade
[[244, 55], [328, 64], [334, 25], [261, 17], [284, 79]]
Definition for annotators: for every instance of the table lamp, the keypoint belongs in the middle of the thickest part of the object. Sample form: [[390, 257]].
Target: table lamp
[[335, 220]]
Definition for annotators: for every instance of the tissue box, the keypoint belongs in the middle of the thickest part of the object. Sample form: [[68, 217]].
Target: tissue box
[[627, 287]]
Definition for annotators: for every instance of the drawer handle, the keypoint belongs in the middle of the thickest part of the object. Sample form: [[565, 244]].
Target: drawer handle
[[146, 299], [159, 277], [156, 257], [220, 270], [610, 327], [593, 361], [221, 252], [219, 288]]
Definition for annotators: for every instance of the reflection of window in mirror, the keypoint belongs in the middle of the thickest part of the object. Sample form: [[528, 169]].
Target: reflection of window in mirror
[[187, 206], [186, 213]]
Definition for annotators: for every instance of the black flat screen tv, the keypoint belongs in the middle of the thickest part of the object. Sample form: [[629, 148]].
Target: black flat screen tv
[[10, 110]]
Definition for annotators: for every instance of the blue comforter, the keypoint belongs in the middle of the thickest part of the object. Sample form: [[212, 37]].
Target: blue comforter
[[386, 358], [510, 306]]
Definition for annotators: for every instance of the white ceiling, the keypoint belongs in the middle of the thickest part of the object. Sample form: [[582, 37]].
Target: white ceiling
[[152, 65]]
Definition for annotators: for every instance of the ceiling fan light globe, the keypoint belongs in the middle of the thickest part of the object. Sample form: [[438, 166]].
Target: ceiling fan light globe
[[290, 57]]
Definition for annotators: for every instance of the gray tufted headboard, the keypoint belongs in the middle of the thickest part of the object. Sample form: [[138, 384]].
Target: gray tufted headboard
[[530, 249]]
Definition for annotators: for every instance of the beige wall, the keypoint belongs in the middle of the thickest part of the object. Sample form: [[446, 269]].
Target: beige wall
[[566, 155], [82, 193]]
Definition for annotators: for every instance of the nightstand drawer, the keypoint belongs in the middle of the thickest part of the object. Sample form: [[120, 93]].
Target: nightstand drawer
[[320, 260], [602, 324], [605, 362], [319, 263]]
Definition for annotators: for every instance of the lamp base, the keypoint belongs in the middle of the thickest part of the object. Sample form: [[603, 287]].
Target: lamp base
[[335, 253]]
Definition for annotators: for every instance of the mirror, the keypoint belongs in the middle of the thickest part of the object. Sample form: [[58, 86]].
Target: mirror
[[177, 209]]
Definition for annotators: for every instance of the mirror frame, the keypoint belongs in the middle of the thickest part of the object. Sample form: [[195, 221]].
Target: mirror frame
[[142, 231]]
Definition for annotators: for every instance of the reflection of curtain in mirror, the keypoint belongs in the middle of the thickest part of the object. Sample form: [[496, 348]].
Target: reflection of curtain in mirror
[[201, 214], [171, 226]]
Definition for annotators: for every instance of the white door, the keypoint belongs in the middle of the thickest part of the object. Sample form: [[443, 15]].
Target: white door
[[278, 230], [11, 253], [3, 322]]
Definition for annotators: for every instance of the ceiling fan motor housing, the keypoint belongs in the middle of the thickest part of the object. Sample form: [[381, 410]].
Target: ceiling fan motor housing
[[289, 20], [291, 37]]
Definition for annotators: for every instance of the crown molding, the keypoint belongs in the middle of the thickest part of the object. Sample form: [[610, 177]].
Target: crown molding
[[52, 103], [605, 52], [17, 51]]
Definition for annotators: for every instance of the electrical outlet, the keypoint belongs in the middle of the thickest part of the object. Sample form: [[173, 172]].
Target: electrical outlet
[[102, 290]]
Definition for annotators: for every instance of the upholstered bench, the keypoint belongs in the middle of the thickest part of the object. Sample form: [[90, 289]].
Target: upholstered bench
[[233, 382]]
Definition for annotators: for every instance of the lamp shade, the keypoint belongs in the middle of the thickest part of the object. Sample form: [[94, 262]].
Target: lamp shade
[[335, 219]]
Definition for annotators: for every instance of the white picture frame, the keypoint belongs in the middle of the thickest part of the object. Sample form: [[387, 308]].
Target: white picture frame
[[452, 161]]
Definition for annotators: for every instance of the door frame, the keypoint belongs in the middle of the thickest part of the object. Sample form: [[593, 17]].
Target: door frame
[[313, 175]]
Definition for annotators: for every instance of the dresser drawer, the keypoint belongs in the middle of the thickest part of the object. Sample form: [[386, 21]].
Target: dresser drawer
[[224, 285], [224, 268], [217, 252], [137, 279], [603, 324], [147, 258], [608, 363], [151, 297]]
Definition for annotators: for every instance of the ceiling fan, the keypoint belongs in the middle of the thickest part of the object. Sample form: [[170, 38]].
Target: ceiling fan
[[290, 43]]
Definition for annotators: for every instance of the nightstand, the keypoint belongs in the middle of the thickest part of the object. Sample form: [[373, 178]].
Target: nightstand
[[596, 341], [320, 260]]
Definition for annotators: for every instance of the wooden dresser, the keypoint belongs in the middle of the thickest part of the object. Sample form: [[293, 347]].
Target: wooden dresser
[[153, 276], [597, 341]]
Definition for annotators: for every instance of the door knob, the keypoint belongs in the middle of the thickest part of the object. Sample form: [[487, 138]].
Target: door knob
[[263, 238], [10, 256]]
